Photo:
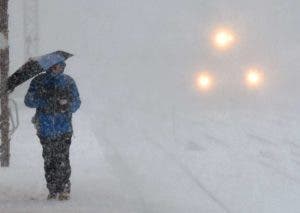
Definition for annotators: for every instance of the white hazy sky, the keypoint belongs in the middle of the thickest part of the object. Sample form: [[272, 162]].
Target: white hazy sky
[[153, 48]]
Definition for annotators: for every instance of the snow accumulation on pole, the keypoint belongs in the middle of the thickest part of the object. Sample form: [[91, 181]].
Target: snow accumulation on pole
[[3, 41]]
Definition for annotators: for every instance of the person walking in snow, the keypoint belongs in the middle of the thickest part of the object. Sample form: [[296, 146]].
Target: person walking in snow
[[55, 97]]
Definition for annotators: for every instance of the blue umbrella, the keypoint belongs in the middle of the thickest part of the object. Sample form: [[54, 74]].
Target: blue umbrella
[[34, 66], [48, 60]]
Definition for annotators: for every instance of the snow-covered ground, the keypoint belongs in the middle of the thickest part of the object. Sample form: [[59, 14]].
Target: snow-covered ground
[[142, 161], [23, 185]]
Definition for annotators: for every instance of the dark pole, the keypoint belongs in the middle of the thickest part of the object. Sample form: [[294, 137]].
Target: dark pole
[[4, 68]]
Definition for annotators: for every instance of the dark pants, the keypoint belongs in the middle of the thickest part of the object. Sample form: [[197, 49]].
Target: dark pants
[[56, 163]]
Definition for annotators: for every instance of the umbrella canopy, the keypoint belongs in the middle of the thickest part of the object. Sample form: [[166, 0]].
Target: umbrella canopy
[[34, 66], [48, 60]]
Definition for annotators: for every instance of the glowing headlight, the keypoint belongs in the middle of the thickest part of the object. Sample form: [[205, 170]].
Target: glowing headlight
[[254, 77], [204, 81], [223, 39]]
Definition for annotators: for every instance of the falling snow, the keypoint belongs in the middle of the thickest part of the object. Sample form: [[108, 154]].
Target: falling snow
[[152, 134]]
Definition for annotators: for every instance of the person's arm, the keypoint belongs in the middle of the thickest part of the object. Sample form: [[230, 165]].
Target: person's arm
[[76, 102], [32, 99]]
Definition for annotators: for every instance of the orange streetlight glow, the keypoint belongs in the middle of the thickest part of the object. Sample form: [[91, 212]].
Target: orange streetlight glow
[[223, 39], [254, 77]]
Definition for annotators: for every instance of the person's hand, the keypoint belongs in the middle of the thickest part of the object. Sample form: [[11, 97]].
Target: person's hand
[[63, 101], [63, 105]]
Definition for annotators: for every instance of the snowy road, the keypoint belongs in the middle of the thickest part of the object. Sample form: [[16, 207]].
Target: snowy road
[[215, 163], [239, 161]]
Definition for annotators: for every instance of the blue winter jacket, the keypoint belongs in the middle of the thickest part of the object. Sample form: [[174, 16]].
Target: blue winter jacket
[[50, 123]]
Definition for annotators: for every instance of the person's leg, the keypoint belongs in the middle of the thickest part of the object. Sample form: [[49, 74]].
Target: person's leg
[[63, 168], [49, 167]]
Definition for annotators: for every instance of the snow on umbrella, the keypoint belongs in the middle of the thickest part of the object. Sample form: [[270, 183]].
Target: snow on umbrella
[[35, 66]]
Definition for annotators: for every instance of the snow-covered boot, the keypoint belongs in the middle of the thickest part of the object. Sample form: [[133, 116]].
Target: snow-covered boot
[[64, 196], [51, 196]]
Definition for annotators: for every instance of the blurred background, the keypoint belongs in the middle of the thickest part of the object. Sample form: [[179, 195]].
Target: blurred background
[[158, 47]]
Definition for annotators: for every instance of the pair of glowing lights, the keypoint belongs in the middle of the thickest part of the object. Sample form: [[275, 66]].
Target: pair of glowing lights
[[223, 39], [253, 78]]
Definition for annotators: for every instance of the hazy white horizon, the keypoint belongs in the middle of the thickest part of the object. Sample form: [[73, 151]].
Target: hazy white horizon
[[153, 49]]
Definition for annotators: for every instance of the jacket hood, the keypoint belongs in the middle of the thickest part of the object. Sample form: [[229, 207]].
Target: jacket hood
[[50, 72]]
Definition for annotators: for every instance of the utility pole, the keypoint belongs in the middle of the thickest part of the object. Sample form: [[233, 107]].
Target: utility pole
[[31, 28], [4, 68]]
